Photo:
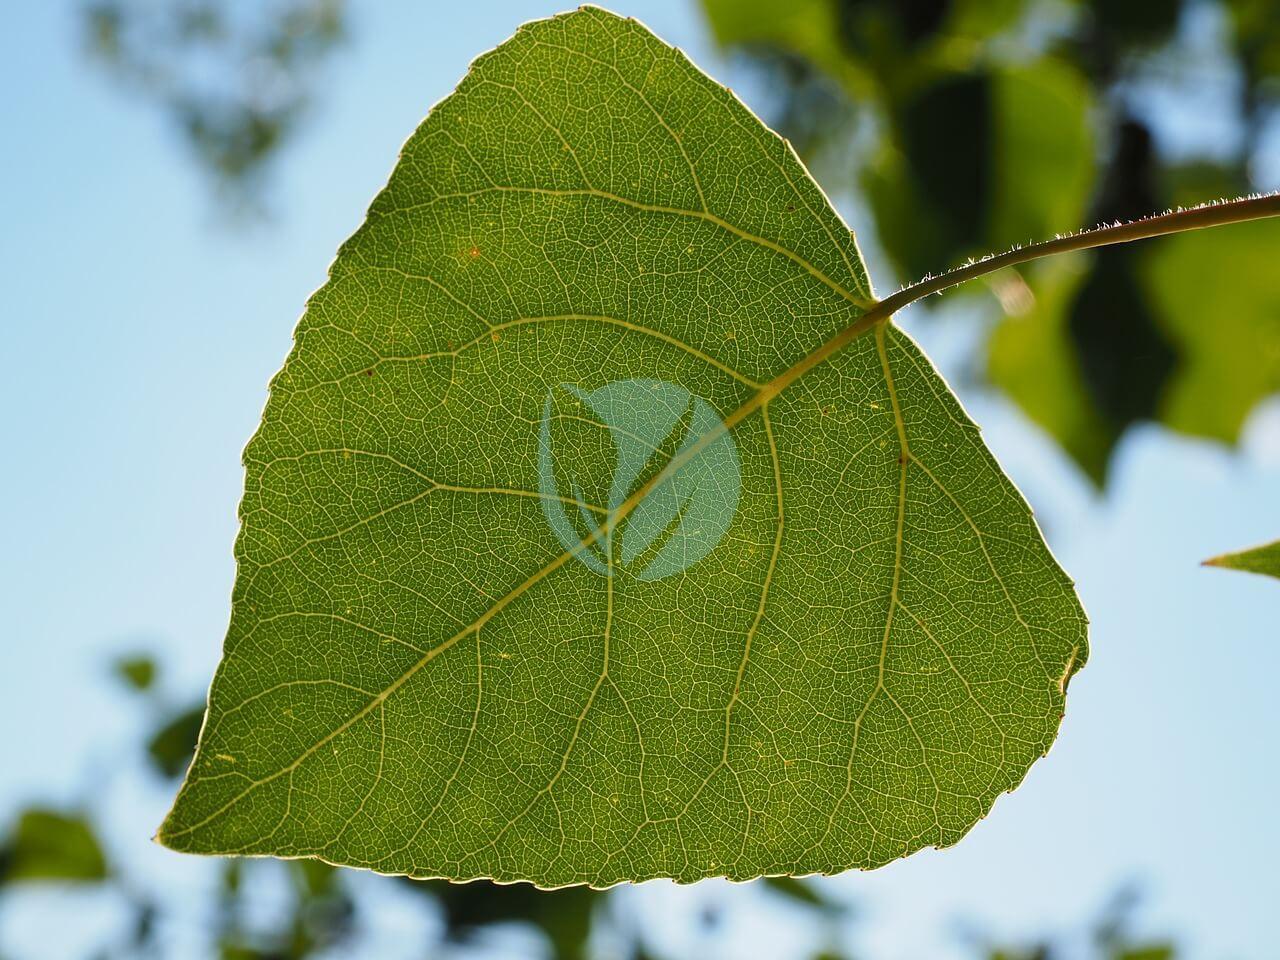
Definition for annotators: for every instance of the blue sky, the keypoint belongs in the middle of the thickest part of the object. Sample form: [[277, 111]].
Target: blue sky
[[140, 331]]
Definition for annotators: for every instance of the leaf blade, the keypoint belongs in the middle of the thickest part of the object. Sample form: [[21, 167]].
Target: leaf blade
[[419, 678]]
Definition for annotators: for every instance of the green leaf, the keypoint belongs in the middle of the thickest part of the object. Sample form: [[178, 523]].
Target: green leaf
[[974, 156], [966, 147], [564, 916], [1229, 365], [1217, 373], [808, 28], [982, 161], [51, 845], [1263, 559], [869, 48], [1155, 951], [137, 671], [172, 744], [420, 677], [802, 893], [1032, 358]]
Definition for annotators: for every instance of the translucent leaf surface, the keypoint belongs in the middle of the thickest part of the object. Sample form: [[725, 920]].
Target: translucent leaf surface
[[49, 845], [421, 677]]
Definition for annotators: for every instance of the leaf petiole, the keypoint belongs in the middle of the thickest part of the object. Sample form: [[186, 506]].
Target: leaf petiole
[[1216, 214]]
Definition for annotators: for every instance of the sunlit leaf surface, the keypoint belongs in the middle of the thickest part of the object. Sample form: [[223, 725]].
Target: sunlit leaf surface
[[420, 676]]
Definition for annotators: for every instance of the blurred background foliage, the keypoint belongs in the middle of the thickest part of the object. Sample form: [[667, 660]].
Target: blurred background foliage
[[954, 128], [322, 916], [970, 126], [236, 79]]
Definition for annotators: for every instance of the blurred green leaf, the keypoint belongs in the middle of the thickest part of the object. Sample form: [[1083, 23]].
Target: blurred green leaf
[[1088, 359], [235, 79], [875, 49], [803, 893], [976, 156], [317, 919], [51, 845], [1216, 298], [807, 28], [1264, 559], [564, 916], [1255, 32], [929, 187], [171, 746], [981, 162], [1031, 357], [980, 143], [137, 671], [1182, 332], [1134, 22], [1160, 951]]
